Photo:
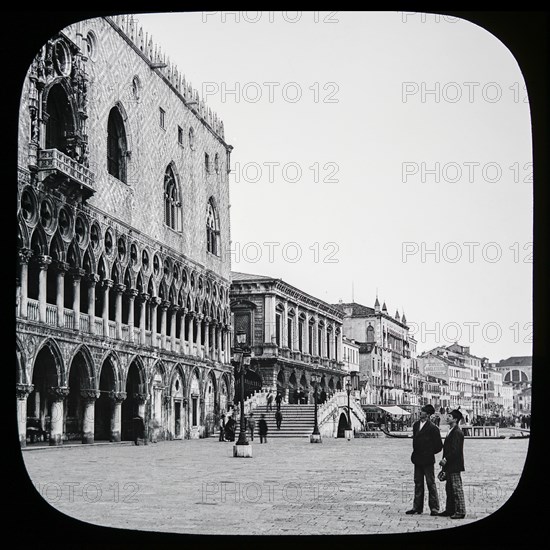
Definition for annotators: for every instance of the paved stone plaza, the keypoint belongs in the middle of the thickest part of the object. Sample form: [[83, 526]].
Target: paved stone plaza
[[362, 486]]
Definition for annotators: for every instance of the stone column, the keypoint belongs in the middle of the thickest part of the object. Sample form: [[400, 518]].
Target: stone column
[[141, 399], [107, 284], [164, 305], [43, 263], [132, 293], [269, 318], [76, 273], [23, 391], [143, 299], [118, 397], [92, 280], [190, 340], [219, 336], [25, 255], [183, 332], [206, 337], [119, 289], [227, 344], [284, 326], [88, 423], [58, 394], [174, 309], [199, 317], [154, 305], [62, 268]]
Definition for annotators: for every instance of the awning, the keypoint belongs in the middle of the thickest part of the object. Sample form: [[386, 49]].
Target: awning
[[394, 409]]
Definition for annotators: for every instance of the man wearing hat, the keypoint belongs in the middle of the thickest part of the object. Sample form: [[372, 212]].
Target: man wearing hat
[[426, 444], [453, 463]]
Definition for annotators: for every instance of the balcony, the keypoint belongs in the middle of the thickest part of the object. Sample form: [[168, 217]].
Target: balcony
[[61, 171]]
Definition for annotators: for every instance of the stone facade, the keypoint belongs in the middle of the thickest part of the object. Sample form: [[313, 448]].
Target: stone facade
[[123, 223], [292, 335]]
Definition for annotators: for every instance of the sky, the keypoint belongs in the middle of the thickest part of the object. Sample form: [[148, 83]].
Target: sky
[[375, 154]]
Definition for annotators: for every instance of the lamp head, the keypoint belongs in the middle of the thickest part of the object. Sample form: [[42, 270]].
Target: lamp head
[[241, 337]]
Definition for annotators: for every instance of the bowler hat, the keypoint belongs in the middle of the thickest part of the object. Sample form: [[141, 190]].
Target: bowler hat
[[456, 414], [428, 409]]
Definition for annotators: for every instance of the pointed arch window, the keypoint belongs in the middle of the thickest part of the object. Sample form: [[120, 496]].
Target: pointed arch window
[[172, 203], [116, 145], [212, 228]]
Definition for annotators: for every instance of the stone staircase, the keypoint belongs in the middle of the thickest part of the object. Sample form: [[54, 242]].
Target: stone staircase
[[298, 421]]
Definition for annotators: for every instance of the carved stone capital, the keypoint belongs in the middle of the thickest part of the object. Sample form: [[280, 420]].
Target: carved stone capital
[[164, 304], [167, 400], [43, 261], [144, 297], [77, 273], [107, 283], [89, 395], [132, 293], [117, 396], [185, 401], [120, 288], [23, 390], [61, 266], [25, 254], [141, 398], [92, 278], [59, 393], [155, 301], [207, 319]]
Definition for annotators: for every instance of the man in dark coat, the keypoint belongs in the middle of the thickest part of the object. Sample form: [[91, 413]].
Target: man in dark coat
[[278, 399], [426, 444], [262, 424], [453, 463], [278, 418]]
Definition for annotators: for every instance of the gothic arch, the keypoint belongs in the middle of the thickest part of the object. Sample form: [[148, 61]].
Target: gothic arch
[[83, 350], [54, 349], [114, 359]]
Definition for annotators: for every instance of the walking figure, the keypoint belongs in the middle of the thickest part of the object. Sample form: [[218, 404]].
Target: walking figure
[[270, 401], [278, 399], [263, 429], [251, 425], [278, 418]]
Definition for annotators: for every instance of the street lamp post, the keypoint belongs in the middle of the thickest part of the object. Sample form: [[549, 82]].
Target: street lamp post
[[315, 437], [241, 356], [349, 431]]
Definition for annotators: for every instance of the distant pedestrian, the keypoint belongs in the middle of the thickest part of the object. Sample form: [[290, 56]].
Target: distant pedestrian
[[222, 427], [323, 397], [426, 444], [278, 399], [278, 418], [270, 401], [229, 431], [453, 463], [262, 424], [251, 425]]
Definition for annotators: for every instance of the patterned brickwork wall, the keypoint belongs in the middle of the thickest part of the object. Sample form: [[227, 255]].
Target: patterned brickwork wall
[[112, 69]]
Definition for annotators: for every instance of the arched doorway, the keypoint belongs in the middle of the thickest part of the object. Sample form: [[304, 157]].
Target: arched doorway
[[39, 402], [60, 122], [132, 405], [194, 408], [177, 399], [224, 395], [292, 389], [75, 411], [342, 425], [210, 405], [281, 383], [104, 406]]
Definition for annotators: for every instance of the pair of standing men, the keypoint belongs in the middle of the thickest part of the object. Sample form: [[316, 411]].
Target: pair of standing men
[[426, 444]]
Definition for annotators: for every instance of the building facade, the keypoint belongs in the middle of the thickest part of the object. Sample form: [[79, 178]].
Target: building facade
[[292, 336], [123, 215], [384, 348]]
